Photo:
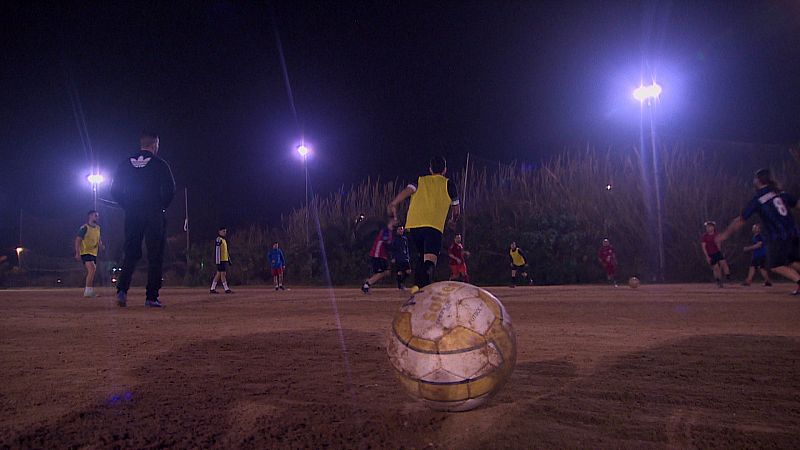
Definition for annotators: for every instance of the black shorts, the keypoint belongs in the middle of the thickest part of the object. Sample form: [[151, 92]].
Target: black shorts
[[427, 240], [402, 266], [716, 257], [223, 266], [517, 268], [783, 252], [759, 262], [379, 265], [89, 258]]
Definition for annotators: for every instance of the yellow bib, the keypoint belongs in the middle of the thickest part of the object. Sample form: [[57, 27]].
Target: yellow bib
[[91, 239], [430, 204], [516, 258]]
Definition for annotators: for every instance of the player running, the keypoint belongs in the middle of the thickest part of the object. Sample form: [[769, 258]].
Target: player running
[[87, 245], [379, 256], [608, 259], [759, 259], [432, 196], [223, 260], [714, 256], [518, 264], [458, 260], [401, 257], [277, 262], [773, 205]]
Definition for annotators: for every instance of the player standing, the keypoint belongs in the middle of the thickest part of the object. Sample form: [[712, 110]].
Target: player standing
[[223, 260], [458, 260], [379, 256], [277, 262], [431, 198], [401, 257], [87, 245], [759, 259], [518, 264], [608, 259], [713, 254], [783, 237], [143, 185]]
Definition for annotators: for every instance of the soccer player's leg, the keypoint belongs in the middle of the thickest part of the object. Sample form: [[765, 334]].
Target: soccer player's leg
[[134, 233], [91, 269], [155, 233], [432, 246], [784, 259], [751, 272]]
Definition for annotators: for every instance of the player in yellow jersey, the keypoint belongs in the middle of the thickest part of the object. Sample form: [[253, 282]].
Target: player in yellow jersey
[[223, 260], [519, 264], [432, 197], [87, 245]]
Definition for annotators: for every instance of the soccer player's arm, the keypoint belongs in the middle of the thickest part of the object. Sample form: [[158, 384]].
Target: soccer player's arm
[[166, 186], [524, 258], [453, 256], [705, 252], [455, 203], [739, 222], [407, 192], [119, 189], [78, 240]]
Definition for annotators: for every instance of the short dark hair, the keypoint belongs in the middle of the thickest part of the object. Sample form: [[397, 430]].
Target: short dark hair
[[91, 211], [147, 138], [275, 243], [222, 228], [438, 164], [765, 177]]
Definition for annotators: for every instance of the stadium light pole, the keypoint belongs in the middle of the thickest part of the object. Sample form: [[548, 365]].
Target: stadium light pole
[[95, 179], [649, 96], [303, 151]]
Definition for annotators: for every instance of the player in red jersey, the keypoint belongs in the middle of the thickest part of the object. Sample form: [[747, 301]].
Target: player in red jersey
[[608, 259], [379, 256], [458, 260], [715, 258]]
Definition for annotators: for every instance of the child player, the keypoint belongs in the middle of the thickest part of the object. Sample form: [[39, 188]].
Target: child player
[[518, 264], [379, 256], [713, 254], [401, 257], [458, 262], [608, 259], [432, 197], [277, 262], [759, 259], [783, 237], [87, 244], [223, 261]]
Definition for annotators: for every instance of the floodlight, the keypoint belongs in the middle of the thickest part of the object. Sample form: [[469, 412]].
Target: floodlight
[[643, 93]]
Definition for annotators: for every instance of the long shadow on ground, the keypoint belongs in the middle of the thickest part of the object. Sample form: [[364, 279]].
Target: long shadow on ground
[[293, 389]]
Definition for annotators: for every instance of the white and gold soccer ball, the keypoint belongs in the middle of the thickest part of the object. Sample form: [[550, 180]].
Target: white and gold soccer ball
[[452, 346]]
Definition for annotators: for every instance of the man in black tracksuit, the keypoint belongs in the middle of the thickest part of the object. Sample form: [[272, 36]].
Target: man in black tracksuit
[[143, 185]]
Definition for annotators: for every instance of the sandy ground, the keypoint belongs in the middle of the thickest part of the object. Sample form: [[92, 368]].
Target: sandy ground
[[662, 366]]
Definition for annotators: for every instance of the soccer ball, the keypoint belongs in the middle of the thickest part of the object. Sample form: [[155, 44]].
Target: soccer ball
[[452, 346], [633, 282]]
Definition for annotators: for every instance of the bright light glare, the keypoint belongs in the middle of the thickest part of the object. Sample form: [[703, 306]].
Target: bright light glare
[[608, 187], [303, 150], [19, 250], [643, 93], [95, 178]]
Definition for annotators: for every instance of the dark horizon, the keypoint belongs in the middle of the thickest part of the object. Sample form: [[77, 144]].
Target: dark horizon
[[377, 90]]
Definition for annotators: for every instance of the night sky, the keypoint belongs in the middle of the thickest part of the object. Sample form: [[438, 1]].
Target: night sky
[[378, 88]]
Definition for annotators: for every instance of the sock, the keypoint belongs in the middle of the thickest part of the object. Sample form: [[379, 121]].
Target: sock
[[399, 281], [427, 268], [225, 285], [87, 290], [514, 280], [213, 285]]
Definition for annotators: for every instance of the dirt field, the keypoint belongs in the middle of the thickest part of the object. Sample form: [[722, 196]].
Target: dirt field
[[598, 367]]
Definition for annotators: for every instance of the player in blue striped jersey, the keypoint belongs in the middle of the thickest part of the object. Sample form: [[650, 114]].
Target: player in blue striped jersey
[[783, 236]]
